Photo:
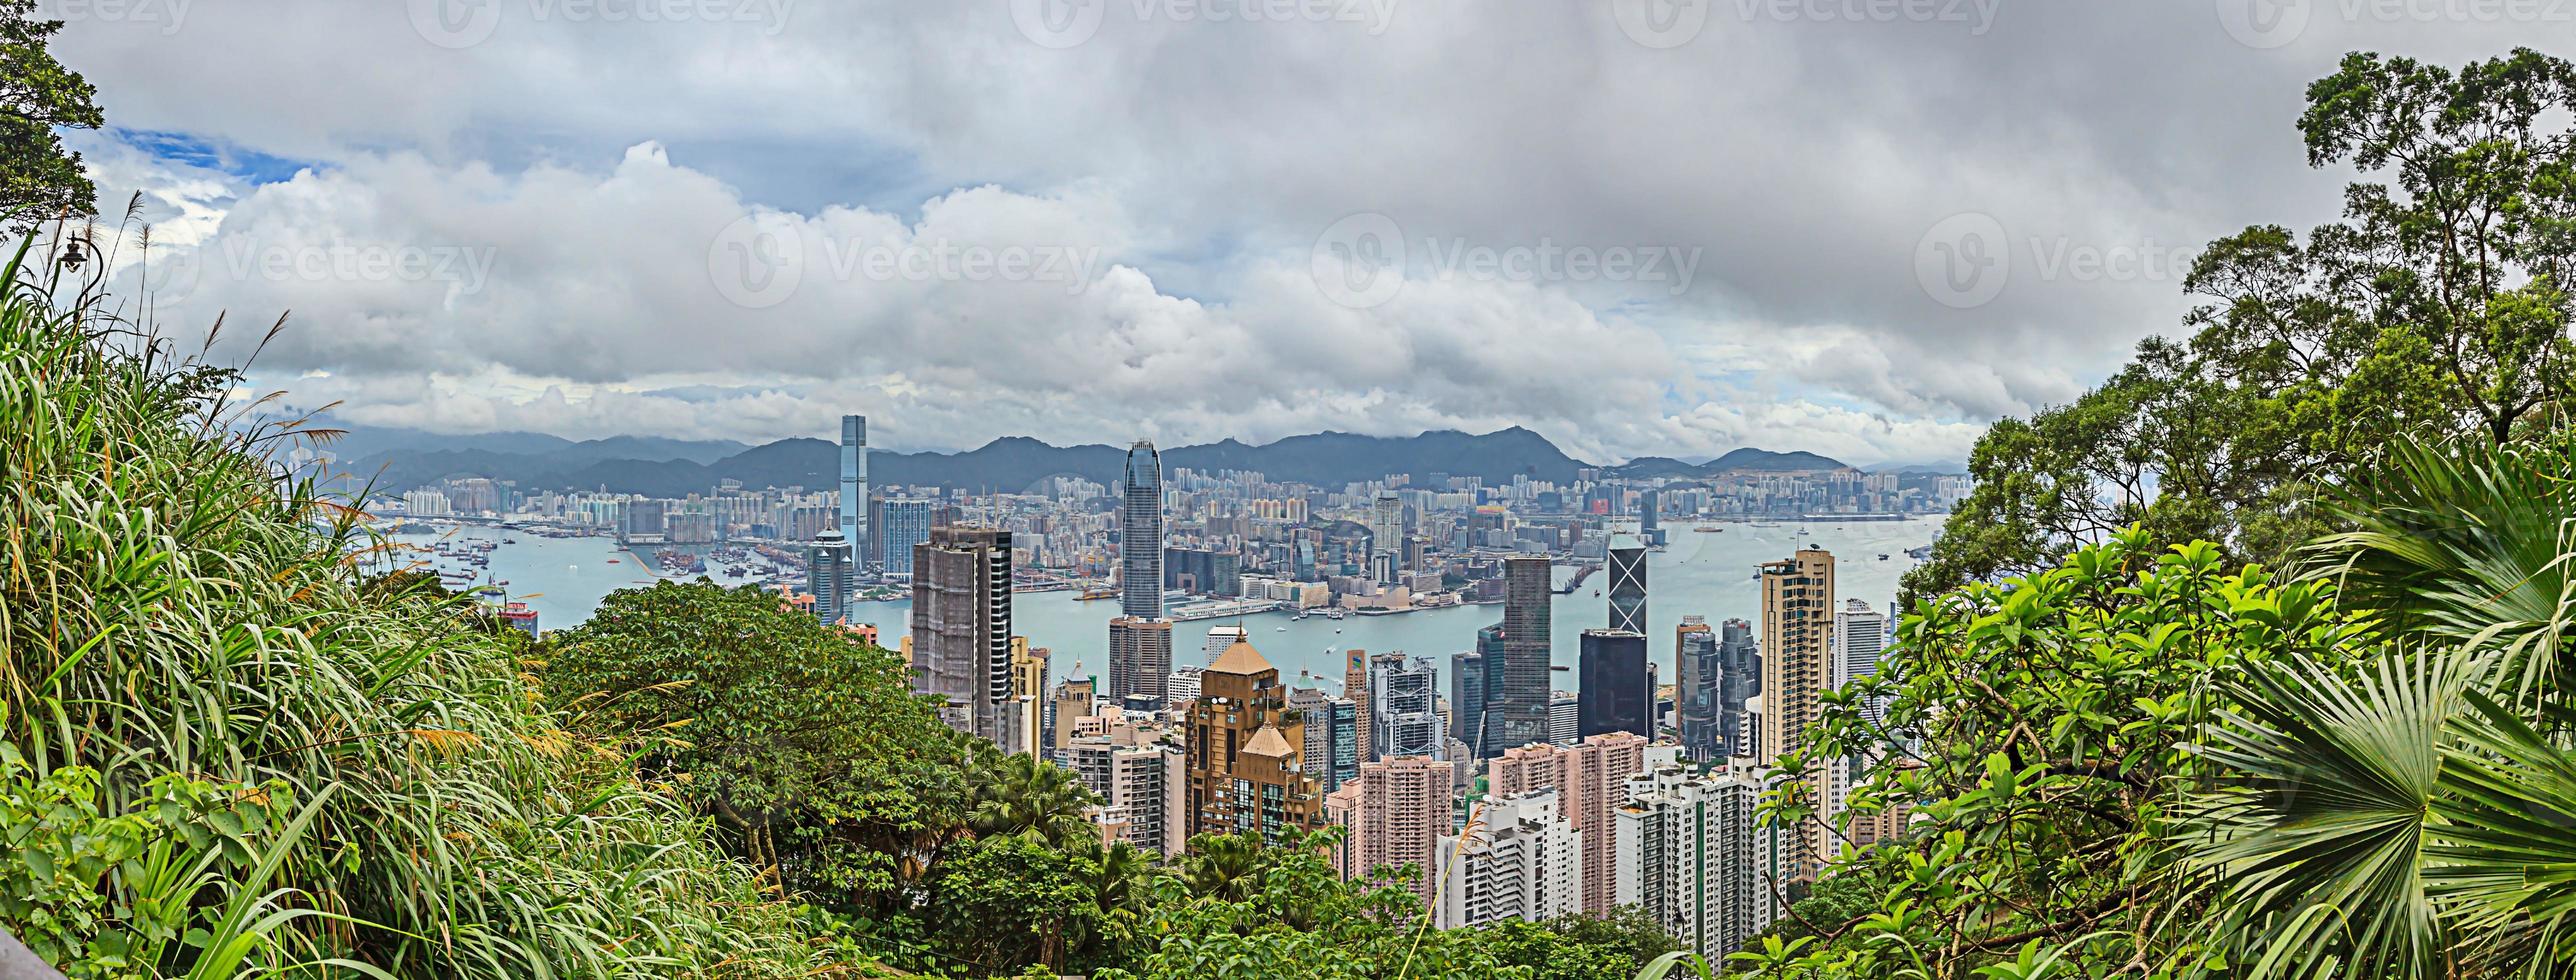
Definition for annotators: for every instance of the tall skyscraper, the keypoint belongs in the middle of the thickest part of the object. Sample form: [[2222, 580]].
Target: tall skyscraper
[[827, 575], [1386, 524], [1489, 647], [1797, 640], [1592, 779], [1618, 693], [1404, 697], [901, 525], [1696, 688], [854, 488], [1140, 534], [1628, 585], [1522, 860], [1690, 854], [1355, 685], [1140, 659], [1739, 662], [1332, 736], [1516, 711], [1246, 753], [1028, 703], [961, 629], [1649, 523], [1860, 634], [1467, 701]]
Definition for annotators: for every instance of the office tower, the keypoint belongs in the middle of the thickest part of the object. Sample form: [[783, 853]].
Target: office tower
[[1516, 712], [1522, 860], [1690, 854], [1627, 585], [854, 488], [1332, 749], [1075, 700], [1219, 638], [827, 575], [1142, 782], [1591, 778], [1797, 636], [1386, 524], [1467, 702], [901, 525], [1860, 633], [1564, 719], [1489, 647], [1403, 807], [1028, 696], [1649, 523], [1403, 708], [1355, 685], [1140, 534], [1246, 753], [1739, 662], [1696, 690], [961, 628], [1618, 693], [1183, 686], [1140, 659]]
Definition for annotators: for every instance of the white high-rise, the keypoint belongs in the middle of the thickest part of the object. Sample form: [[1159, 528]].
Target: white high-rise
[[1860, 635], [1692, 856], [1522, 860], [854, 490]]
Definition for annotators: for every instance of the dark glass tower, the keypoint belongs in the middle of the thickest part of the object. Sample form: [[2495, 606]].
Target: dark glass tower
[[1516, 709], [1618, 693], [1628, 586], [1140, 534]]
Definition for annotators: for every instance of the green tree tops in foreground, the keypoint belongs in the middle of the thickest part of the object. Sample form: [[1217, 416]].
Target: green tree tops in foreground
[[39, 179]]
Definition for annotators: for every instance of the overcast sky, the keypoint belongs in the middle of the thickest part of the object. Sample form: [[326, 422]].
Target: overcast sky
[[1644, 227]]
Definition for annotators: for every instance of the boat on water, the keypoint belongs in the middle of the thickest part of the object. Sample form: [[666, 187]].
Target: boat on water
[[1882, 557], [612, 561], [1283, 629]]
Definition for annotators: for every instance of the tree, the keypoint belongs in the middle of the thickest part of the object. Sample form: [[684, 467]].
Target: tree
[[1009, 901], [39, 180], [808, 746], [2439, 301], [2038, 731], [1034, 798], [1612, 946], [2410, 817]]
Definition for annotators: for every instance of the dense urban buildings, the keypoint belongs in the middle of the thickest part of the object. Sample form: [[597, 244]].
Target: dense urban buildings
[[1396, 812], [1332, 747], [901, 524], [1404, 694], [1697, 675], [1140, 659], [1521, 860], [1690, 854], [1246, 753], [1797, 640], [1591, 779], [961, 628], [1618, 685], [1516, 711], [1138, 774]]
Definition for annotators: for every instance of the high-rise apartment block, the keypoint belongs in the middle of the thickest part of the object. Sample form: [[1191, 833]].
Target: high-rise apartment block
[[1139, 777], [1797, 641], [961, 629], [1522, 859], [1332, 753], [1689, 852], [1396, 812], [1591, 778]]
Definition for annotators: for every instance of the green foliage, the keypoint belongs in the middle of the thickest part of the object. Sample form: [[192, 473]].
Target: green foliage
[[2438, 303], [173, 604], [806, 744], [2039, 730], [1613, 946], [1008, 900], [39, 180]]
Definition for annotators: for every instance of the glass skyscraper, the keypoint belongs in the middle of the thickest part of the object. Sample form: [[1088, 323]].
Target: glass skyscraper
[[1140, 534], [1628, 586]]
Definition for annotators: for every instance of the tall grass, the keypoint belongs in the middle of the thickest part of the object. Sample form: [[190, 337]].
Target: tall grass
[[174, 601]]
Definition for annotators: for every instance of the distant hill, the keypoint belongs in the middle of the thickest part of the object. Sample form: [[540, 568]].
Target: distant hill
[[671, 468]]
